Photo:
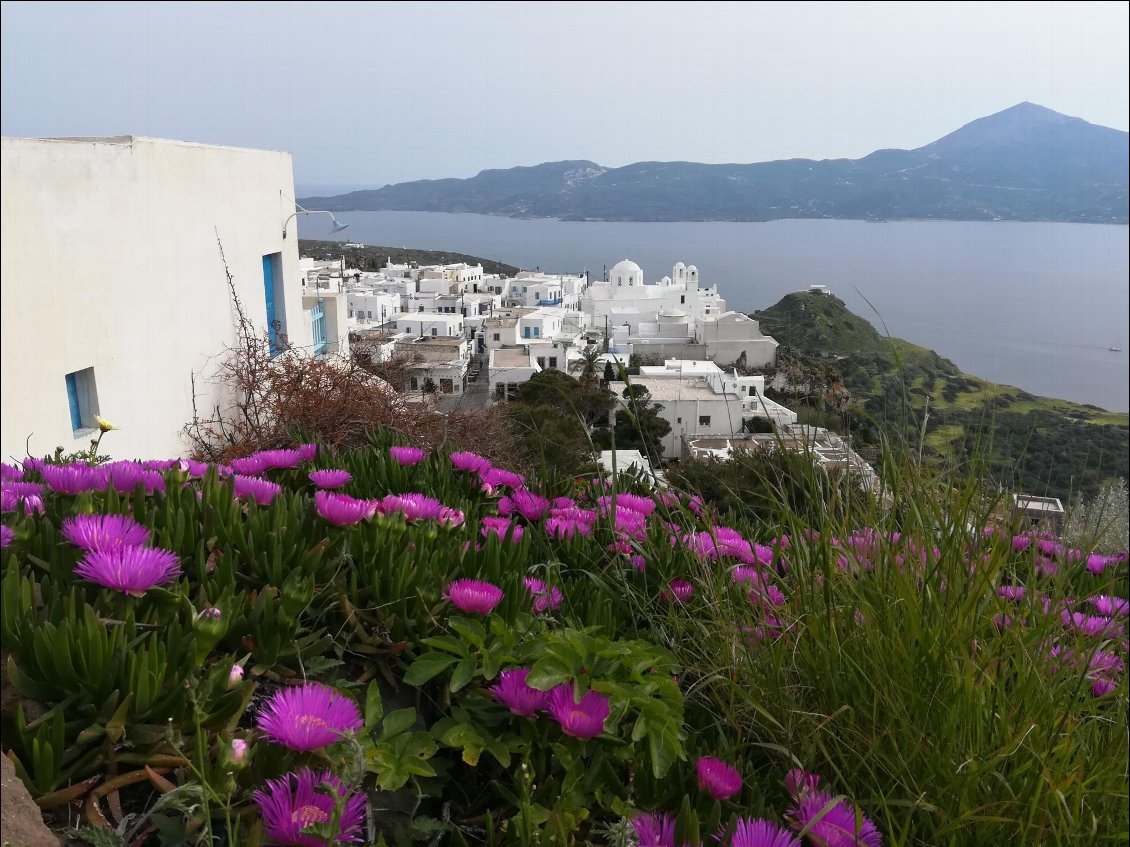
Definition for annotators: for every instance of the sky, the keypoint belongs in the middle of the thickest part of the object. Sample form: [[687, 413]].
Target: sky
[[371, 93]]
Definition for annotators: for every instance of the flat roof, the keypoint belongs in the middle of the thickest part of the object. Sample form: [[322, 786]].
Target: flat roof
[[510, 357], [669, 389]]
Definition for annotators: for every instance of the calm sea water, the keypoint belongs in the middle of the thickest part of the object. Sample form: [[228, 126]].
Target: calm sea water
[[1035, 305]]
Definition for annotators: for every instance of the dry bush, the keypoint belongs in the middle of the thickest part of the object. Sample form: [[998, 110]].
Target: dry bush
[[273, 401]]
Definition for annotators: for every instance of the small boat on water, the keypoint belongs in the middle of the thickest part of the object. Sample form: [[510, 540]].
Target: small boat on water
[[1114, 349]]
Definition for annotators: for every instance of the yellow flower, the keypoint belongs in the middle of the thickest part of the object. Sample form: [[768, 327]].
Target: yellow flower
[[104, 424]]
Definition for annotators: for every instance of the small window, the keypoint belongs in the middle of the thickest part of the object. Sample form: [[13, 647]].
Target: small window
[[350, 313], [678, 420], [415, 383], [553, 362], [435, 331], [369, 314], [541, 361], [537, 331], [497, 337], [704, 420], [82, 400], [682, 298]]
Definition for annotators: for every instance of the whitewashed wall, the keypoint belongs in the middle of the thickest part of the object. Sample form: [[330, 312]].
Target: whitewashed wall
[[110, 261]]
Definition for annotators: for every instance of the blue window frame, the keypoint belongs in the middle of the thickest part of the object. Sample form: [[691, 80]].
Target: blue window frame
[[82, 401], [318, 327], [72, 400]]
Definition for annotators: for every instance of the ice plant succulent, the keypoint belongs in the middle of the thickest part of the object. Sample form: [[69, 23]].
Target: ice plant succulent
[[718, 778], [308, 717], [474, 596], [831, 822], [654, 830], [750, 832], [7, 535], [406, 457], [512, 691], [262, 491], [101, 532], [330, 478], [546, 596], [584, 719], [130, 570], [343, 510], [678, 591], [293, 802]]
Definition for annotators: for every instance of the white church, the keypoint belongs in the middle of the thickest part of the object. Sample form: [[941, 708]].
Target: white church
[[674, 318]]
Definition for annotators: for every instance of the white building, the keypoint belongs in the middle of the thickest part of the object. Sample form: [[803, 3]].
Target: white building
[[675, 316], [114, 294], [507, 369]]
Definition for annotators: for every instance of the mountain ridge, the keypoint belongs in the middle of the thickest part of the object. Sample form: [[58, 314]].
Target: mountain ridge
[[1026, 163]]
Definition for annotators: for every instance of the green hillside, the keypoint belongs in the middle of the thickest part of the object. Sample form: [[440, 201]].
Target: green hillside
[[373, 258], [1037, 444]]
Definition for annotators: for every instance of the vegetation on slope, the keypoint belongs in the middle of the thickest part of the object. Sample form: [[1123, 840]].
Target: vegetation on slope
[[1033, 444], [373, 258]]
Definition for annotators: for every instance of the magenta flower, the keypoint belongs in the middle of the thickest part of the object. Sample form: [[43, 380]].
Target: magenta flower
[[1097, 563], [761, 833], [563, 529], [1102, 687], [798, 782], [582, 720], [308, 717], [262, 491], [1110, 606], [280, 459], [631, 502], [249, 465], [1011, 592], [502, 527], [10, 473], [679, 591], [512, 691], [330, 478], [298, 800], [130, 570], [474, 596], [546, 596], [831, 822], [1092, 625], [7, 535], [527, 504], [194, 468], [414, 507], [717, 777], [343, 510], [307, 452], [654, 830], [467, 461], [1020, 543], [406, 457], [101, 532], [74, 479], [494, 477]]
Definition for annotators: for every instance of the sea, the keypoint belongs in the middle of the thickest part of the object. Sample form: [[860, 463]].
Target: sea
[[1041, 306]]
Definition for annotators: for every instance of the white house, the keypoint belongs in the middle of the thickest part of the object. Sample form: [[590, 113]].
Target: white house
[[113, 295], [507, 369]]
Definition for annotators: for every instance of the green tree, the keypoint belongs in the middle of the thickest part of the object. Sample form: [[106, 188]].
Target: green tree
[[638, 425], [567, 397]]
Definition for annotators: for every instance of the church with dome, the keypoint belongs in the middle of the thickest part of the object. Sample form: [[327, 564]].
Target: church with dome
[[674, 317]]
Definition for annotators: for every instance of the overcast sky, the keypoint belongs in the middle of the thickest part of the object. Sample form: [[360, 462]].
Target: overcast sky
[[364, 94]]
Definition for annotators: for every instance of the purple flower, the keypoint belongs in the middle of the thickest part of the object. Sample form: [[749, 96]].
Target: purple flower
[[563, 529], [582, 720], [1020, 543], [1110, 606], [1092, 625], [679, 591], [494, 477], [831, 822], [632, 502], [527, 504], [24, 489], [1011, 592], [131, 570], [512, 691], [798, 782], [717, 777], [280, 459], [73, 479], [750, 832], [406, 457], [330, 478], [1102, 687], [298, 800], [343, 510], [7, 535], [249, 465], [9, 473], [194, 468], [501, 527], [467, 461], [414, 507], [654, 830], [308, 717], [474, 596], [545, 596], [126, 476], [262, 491], [102, 532], [307, 452]]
